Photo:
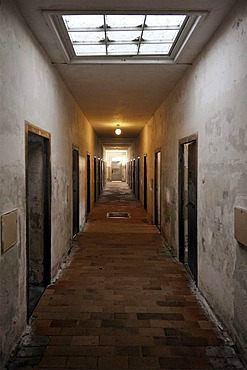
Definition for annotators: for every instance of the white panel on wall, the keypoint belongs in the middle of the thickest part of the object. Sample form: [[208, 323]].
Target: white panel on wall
[[9, 230], [240, 228]]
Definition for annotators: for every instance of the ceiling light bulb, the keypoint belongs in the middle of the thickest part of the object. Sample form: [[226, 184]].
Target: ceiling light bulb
[[118, 131]]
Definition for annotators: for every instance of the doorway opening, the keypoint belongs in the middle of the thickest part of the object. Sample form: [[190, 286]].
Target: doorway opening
[[38, 216], [88, 184], [145, 182], [116, 170], [116, 165], [157, 189], [188, 203], [75, 181]]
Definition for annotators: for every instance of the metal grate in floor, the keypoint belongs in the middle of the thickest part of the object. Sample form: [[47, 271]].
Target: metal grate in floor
[[118, 215]]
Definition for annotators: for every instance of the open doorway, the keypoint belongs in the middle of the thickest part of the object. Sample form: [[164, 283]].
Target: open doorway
[[116, 170], [188, 203], [157, 189], [75, 180], [116, 165], [38, 205]]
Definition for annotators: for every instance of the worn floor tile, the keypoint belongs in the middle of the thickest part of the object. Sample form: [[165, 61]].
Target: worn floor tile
[[123, 302]]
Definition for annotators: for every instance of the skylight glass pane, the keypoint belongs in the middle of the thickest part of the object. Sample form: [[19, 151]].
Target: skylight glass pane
[[124, 20], [155, 49], [83, 21], [123, 35], [165, 20], [90, 50], [86, 36], [158, 35], [129, 49]]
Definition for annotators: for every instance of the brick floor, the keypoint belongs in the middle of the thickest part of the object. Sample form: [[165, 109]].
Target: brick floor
[[123, 302]]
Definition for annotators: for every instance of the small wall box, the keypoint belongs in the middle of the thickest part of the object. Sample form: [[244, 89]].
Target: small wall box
[[9, 230], [240, 227]]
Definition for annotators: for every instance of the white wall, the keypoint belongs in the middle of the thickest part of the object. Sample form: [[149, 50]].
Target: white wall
[[32, 91], [210, 100]]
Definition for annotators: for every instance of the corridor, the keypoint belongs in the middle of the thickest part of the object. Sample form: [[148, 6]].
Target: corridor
[[121, 302]]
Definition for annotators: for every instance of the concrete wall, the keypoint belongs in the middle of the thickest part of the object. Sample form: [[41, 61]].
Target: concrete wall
[[32, 91], [210, 100]]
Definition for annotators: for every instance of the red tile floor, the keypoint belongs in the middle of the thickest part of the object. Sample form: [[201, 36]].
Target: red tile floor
[[122, 302]]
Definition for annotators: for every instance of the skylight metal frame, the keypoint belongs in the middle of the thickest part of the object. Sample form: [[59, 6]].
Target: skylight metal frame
[[57, 25]]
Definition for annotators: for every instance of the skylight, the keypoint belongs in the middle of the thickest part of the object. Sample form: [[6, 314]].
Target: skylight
[[123, 35], [123, 38]]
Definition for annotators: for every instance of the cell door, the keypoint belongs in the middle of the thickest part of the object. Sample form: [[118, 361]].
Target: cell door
[[131, 177], [188, 205], [99, 176], [138, 179], [157, 189], [75, 181], [38, 205], [88, 184], [134, 176], [145, 182], [95, 178]]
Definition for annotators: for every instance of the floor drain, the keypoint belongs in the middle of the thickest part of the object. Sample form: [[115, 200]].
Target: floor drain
[[118, 215]]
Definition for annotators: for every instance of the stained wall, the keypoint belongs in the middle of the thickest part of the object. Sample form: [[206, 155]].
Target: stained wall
[[33, 93], [209, 100]]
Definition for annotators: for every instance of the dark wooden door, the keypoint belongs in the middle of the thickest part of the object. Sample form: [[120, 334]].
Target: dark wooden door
[[75, 177], [145, 183], [88, 184], [99, 176], [157, 187], [192, 208], [95, 178], [38, 221], [138, 179]]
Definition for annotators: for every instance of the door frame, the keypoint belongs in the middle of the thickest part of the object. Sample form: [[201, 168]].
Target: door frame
[[31, 129], [186, 140]]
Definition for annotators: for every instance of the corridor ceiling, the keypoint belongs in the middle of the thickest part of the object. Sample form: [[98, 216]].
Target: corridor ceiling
[[124, 93]]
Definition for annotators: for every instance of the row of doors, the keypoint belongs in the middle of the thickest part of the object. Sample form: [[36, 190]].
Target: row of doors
[[187, 197], [133, 176], [38, 180], [98, 185], [187, 201], [38, 198]]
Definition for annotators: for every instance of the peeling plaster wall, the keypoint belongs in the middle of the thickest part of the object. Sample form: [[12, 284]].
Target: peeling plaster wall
[[32, 91], [210, 100]]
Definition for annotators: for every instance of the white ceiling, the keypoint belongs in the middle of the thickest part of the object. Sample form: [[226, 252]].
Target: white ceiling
[[125, 94]]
